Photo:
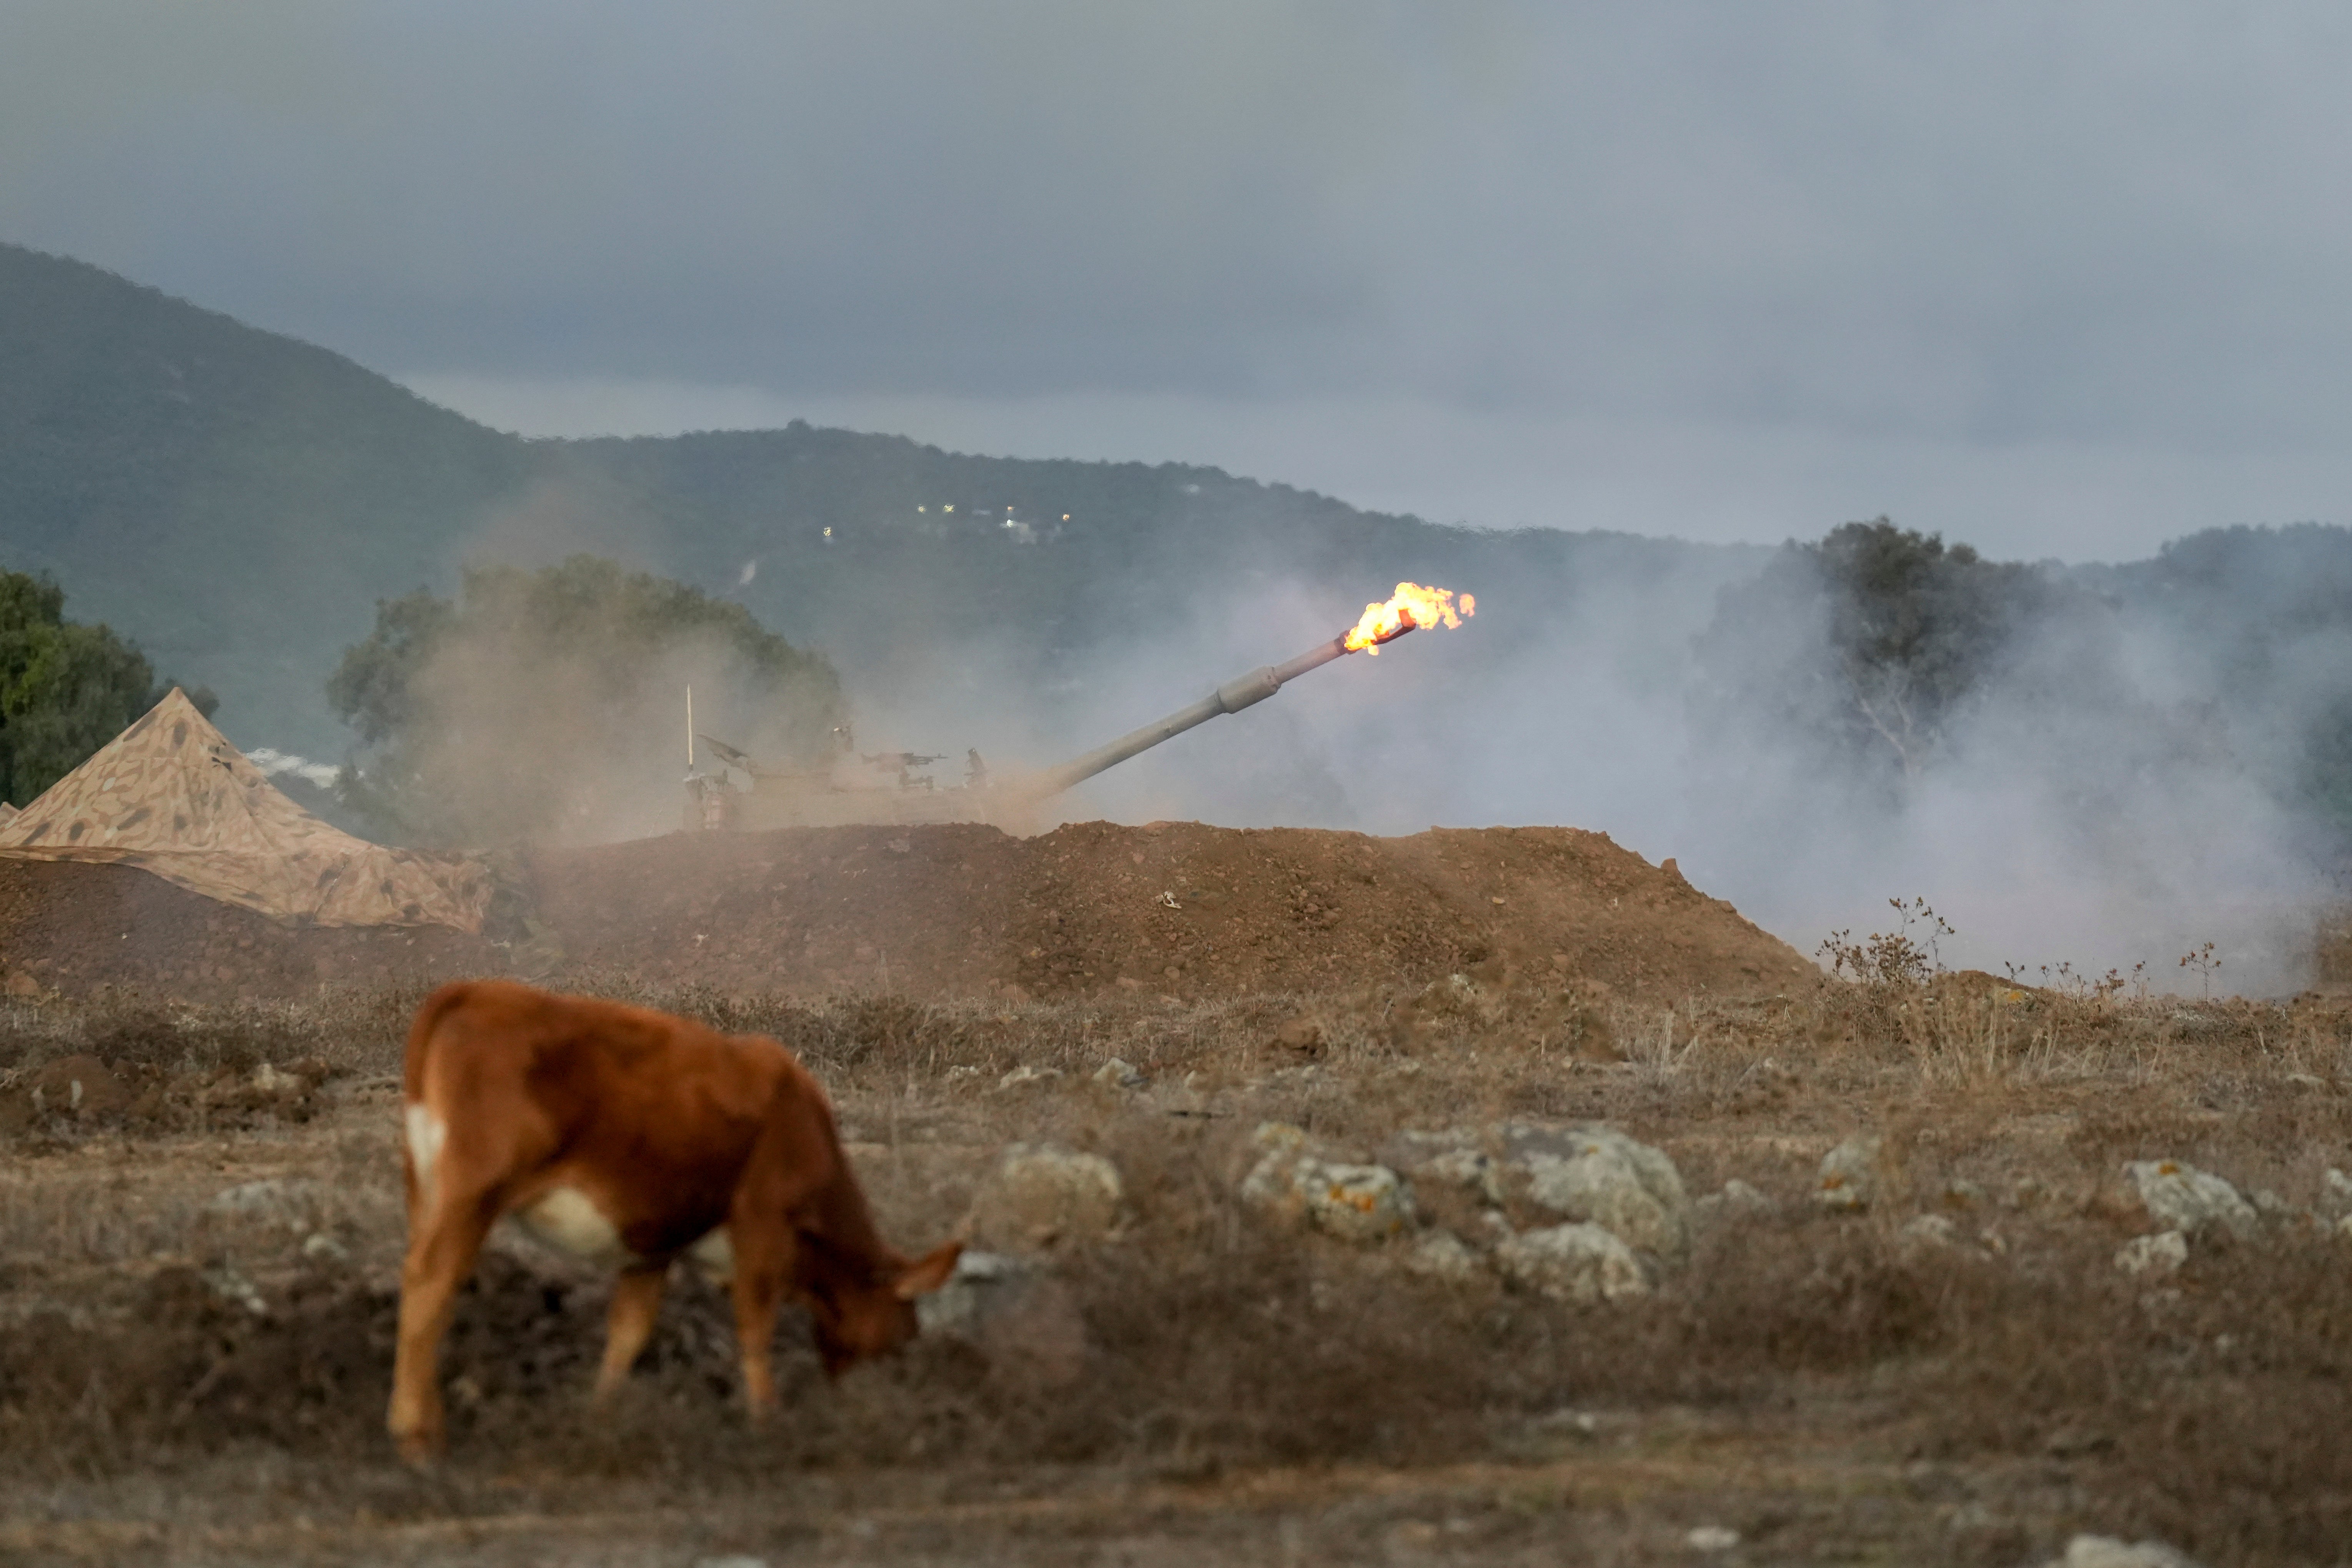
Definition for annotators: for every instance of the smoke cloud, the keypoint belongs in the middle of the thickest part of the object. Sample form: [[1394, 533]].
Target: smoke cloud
[[2120, 787]]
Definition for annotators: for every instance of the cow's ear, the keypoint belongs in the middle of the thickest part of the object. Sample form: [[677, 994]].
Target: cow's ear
[[928, 1272]]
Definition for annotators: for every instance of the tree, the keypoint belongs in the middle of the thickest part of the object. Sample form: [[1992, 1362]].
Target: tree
[[1873, 637], [548, 705], [66, 689]]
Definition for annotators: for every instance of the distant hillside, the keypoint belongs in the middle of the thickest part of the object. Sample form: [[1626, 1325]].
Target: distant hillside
[[236, 500], [233, 500]]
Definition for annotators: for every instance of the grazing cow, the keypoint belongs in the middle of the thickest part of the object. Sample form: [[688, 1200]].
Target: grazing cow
[[635, 1138]]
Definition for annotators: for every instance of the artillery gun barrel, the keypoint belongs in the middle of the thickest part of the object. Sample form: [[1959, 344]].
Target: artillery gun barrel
[[1231, 698]]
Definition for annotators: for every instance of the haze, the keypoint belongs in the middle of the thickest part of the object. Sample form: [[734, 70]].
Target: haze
[[2059, 281], [2055, 282]]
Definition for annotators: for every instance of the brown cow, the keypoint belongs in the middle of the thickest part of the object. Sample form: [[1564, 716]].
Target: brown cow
[[637, 1138]]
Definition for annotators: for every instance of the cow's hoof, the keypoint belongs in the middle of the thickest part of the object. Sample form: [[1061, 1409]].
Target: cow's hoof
[[419, 1449]]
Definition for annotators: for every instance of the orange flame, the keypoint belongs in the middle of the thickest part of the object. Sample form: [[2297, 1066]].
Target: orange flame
[[1412, 606]]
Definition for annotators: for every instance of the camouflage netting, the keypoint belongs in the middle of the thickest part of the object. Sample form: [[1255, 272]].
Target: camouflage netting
[[171, 796]]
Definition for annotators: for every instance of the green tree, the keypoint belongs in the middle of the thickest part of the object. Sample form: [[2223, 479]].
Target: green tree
[[66, 689], [1875, 637], [548, 705]]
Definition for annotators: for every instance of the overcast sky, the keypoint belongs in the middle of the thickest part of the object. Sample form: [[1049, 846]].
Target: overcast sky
[[2060, 279]]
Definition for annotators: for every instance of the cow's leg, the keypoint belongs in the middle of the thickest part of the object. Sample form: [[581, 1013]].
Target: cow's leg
[[764, 1270], [636, 1303], [440, 1256]]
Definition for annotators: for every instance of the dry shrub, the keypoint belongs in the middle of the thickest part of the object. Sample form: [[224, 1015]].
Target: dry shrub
[[2202, 1408]]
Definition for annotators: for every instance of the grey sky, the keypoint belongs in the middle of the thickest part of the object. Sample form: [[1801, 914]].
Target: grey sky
[[2060, 279]]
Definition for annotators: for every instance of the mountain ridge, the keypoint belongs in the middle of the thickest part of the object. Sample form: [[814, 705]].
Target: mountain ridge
[[237, 500]]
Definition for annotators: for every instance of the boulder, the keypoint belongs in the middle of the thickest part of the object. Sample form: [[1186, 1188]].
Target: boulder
[[1737, 1201], [1280, 1146], [1582, 1263], [1443, 1255], [1597, 1175], [2153, 1257], [1352, 1201], [2183, 1198], [1041, 1197], [1849, 1175], [1117, 1074], [2335, 1191]]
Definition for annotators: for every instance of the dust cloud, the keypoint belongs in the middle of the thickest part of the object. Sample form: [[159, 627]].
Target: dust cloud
[[2117, 791]]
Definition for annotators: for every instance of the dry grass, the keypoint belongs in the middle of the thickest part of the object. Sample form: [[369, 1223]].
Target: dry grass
[[2060, 1393]]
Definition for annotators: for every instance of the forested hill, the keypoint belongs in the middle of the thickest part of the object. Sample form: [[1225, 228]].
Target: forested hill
[[237, 500]]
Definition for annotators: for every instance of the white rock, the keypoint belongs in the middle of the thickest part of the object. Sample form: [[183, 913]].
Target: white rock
[[2183, 1198], [324, 1249], [1278, 1137], [1268, 1184], [1039, 1197], [2335, 1190], [981, 1280], [1712, 1538], [2106, 1552], [1936, 1229], [1028, 1078], [1581, 1263], [289, 1200], [1354, 1203], [1600, 1176], [2153, 1256], [1442, 1255], [1737, 1201], [234, 1288], [1849, 1175]]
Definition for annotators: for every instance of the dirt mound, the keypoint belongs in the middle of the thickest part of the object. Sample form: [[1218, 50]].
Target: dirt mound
[[959, 910], [75, 928]]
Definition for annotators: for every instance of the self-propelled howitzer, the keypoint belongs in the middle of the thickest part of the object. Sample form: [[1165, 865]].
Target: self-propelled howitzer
[[845, 793]]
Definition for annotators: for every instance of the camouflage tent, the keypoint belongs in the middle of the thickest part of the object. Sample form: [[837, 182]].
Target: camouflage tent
[[171, 796]]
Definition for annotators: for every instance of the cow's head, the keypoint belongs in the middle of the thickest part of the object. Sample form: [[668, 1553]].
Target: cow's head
[[859, 1316]]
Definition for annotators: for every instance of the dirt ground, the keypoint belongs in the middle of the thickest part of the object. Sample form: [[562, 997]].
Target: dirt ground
[[193, 1367], [1174, 909]]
